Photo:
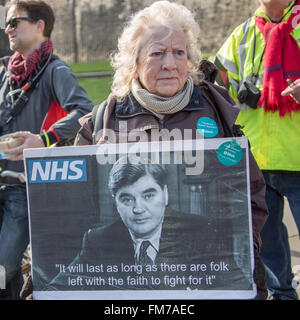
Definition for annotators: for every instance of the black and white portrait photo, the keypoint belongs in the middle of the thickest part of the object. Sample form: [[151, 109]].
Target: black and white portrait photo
[[139, 226]]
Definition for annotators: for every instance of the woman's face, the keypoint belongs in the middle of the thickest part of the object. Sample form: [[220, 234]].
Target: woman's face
[[162, 62]]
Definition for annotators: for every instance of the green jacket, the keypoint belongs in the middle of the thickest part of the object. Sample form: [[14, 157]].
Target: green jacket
[[275, 140]]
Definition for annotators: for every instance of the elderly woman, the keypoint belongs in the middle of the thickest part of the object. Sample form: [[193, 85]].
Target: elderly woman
[[157, 84]]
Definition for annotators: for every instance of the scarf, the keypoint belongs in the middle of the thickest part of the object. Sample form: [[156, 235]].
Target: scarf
[[22, 70], [282, 61], [160, 106]]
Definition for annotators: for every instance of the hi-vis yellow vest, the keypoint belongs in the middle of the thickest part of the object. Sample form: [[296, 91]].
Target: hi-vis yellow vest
[[275, 140]]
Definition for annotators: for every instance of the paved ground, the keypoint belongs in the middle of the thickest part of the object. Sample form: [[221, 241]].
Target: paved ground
[[293, 239]]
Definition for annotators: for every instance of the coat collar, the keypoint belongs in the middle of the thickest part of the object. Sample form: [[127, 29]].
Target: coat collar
[[130, 107]]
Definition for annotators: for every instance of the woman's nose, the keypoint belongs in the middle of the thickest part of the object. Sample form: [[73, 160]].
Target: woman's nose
[[169, 61]]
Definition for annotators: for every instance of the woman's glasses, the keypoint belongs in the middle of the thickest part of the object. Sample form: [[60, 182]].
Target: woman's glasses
[[13, 22]]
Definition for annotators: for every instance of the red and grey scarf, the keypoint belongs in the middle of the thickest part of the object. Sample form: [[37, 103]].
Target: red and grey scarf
[[282, 61], [25, 69]]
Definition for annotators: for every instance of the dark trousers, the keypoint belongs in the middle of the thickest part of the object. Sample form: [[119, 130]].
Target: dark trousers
[[14, 237], [275, 250]]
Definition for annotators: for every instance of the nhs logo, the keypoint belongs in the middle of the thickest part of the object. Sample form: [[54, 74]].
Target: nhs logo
[[57, 170]]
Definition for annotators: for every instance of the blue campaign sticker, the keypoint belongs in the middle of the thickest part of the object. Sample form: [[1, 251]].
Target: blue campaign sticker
[[207, 127], [230, 153]]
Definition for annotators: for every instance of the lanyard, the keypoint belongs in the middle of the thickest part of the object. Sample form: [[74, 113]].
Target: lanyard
[[22, 99], [254, 76]]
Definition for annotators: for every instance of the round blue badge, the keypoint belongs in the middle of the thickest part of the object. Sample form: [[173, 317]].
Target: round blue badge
[[207, 127], [230, 153]]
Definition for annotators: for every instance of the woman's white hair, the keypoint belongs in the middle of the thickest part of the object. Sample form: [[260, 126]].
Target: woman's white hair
[[160, 13]]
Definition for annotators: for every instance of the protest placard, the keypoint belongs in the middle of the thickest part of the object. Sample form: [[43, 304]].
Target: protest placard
[[168, 220]]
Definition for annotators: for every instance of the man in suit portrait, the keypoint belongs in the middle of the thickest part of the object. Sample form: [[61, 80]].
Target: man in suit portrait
[[149, 238]]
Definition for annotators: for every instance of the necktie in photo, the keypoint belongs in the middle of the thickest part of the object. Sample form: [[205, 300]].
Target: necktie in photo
[[144, 259]]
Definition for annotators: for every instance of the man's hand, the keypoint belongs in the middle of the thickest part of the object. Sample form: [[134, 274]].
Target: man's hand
[[30, 141], [293, 90]]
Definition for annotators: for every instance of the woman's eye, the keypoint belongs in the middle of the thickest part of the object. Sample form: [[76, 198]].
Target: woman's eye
[[156, 54], [180, 52]]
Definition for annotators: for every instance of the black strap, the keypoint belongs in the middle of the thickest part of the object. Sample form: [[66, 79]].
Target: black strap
[[23, 98], [97, 119], [254, 76]]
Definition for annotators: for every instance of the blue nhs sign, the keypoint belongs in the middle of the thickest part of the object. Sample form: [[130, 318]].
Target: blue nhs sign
[[57, 170]]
